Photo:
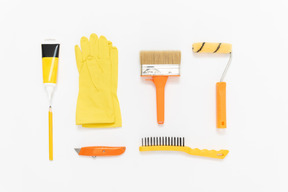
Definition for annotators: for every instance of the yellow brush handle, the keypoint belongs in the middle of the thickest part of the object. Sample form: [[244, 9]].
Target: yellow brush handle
[[205, 47], [50, 134], [221, 154]]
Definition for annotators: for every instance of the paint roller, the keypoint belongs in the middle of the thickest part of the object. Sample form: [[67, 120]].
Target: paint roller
[[217, 48]]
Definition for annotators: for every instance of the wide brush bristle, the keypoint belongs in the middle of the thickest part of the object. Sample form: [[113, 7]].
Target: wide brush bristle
[[163, 141], [160, 57]]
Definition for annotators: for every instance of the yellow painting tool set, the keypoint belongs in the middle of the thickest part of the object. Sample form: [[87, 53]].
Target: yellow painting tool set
[[98, 105]]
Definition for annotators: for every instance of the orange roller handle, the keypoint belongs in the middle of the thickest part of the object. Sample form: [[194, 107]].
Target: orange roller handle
[[160, 82], [221, 104]]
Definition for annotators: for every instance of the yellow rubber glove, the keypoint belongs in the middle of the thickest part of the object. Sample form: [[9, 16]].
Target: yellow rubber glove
[[97, 104], [113, 54]]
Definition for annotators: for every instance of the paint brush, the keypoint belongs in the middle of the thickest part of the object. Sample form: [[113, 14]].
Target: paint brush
[[159, 65], [50, 56]]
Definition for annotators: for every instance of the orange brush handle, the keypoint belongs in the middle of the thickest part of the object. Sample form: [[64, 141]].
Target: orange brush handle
[[221, 104], [160, 82]]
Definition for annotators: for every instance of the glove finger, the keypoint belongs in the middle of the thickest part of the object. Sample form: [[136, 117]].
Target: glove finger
[[114, 63], [85, 47], [79, 58], [114, 55], [109, 47], [103, 47], [93, 42]]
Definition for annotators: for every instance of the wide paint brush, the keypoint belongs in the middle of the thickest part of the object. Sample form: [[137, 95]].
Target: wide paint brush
[[159, 65]]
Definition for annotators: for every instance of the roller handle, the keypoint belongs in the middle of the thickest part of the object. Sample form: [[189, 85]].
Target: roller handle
[[221, 104], [160, 82]]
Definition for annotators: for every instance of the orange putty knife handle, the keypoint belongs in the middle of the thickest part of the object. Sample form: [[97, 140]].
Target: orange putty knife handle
[[221, 104]]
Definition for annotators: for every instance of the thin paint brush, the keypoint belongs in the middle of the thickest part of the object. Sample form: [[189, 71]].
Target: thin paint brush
[[50, 117]]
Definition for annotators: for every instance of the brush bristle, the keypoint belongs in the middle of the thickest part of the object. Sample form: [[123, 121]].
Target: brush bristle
[[160, 57], [163, 141]]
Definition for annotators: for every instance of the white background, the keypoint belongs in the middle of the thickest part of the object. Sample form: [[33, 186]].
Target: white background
[[257, 96]]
